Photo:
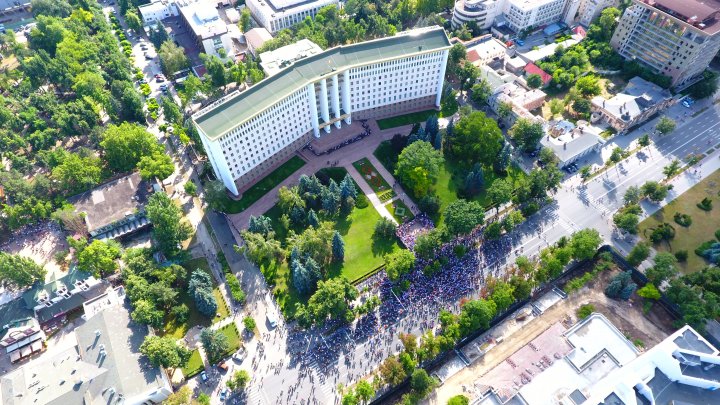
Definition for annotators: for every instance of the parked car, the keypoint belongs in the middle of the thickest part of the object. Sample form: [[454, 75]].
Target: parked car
[[160, 79], [223, 394], [239, 356], [203, 376], [520, 42], [147, 56]]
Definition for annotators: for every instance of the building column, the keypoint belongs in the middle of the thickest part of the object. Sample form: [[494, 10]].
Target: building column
[[441, 78], [310, 88], [346, 97], [334, 97], [324, 113]]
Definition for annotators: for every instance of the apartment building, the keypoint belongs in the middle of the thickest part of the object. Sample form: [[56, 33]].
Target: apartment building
[[246, 134], [589, 10], [676, 38], [483, 12], [276, 15]]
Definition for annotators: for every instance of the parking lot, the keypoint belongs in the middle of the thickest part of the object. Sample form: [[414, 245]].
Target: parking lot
[[182, 38]]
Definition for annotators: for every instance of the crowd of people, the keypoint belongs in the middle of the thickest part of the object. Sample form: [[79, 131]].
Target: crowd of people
[[367, 132], [409, 231]]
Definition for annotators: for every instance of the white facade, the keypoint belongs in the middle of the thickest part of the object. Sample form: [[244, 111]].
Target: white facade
[[276, 15], [521, 14], [590, 10], [157, 10], [270, 136], [483, 12]]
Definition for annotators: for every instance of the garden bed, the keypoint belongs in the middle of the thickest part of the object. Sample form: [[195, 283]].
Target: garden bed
[[371, 175]]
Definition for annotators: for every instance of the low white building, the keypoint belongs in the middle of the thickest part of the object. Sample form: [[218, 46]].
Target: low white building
[[486, 52], [522, 14], [520, 99], [276, 15], [275, 61], [571, 143], [158, 10], [482, 12]]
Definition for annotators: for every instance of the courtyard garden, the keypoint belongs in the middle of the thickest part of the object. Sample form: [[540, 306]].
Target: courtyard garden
[[308, 228], [687, 223], [378, 184], [194, 365]]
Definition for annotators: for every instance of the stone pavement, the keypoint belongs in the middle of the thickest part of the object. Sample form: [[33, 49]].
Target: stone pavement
[[399, 192], [367, 190]]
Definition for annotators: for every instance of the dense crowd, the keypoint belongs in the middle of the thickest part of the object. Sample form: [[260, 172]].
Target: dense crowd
[[367, 132], [409, 231]]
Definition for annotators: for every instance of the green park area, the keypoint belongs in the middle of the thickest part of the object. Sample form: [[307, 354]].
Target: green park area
[[362, 254], [233, 337], [704, 224], [262, 187], [177, 329], [194, 364], [405, 119]]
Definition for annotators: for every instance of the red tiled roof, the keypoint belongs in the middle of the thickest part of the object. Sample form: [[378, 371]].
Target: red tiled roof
[[533, 69], [472, 56], [579, 30]]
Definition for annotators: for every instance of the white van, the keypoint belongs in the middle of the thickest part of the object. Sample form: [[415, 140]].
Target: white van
[[272, 320]]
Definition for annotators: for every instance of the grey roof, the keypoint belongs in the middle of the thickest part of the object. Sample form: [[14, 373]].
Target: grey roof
[[638, 96], [240, 107], [667, 391], [690, 341], [577, 146], [81, 375]]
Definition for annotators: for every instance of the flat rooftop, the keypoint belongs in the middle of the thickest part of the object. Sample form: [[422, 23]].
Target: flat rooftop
[[112, 201], [273, 62], [239, 107], [700, 13]]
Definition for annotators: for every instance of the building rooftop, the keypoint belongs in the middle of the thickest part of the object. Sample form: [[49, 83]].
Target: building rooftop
[[638, 96], [237, 108], [273, 62], [569, 142], [104, 367], [533, 69], [487, 49], [112, 201], [204, 19], [702, 14], [257, 37]]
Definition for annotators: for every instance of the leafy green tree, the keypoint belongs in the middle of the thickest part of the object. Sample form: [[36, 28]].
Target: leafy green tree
[[90, 84], [632, 195], [331, 301], [588, 86], [133, 21], [99, 258], [665, 125], [504, 109], [249, 323], [654, 191], [164, 351], [418, 167], [421, 382], [476, 315], [392, 371], [190, 188], [706, 87], [481, 91], [527, 133], [398, 263], [125, 144], [239, 380], [172, 57], [385, 228], [556, 106], [158, 165], [17, 272], [644, 140], [672, 169], [534, 81], [664, 268], [181, 396], [261, 248], [171, 111], [467, 74], [649, 292], [168, 228], [458, 400], [76, 174], [200, 287], [54, 8], [627, 221], [503, 296], [581, 106], [245, 20], [428, 243], [638, 253], [215, 344], [364, 391], [146, 313], [500, 192], [477, 138], [462, 216], [585, 243]]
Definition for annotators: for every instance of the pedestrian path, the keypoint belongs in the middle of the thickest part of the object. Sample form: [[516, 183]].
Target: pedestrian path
[[365, 188], [399, 192], [254, 395]]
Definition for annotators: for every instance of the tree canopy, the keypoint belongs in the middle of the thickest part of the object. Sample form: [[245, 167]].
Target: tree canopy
[[462, 216], [418, 167], [476, 138], [164, 351], [168, 228]]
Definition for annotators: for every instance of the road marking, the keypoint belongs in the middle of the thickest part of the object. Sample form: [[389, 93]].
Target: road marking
[[652, 166]]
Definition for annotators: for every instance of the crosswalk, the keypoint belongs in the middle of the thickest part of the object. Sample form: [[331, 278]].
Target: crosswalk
[[324, 389], [255, 395]]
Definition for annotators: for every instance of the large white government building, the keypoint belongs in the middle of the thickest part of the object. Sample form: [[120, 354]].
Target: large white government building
[[276, 15], [248, 133]]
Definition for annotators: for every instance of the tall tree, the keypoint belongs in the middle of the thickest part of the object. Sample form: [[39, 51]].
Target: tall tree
[[17, 272], [99, 258], [215, 344], [164, 351], [125, 144], [477, 138], [418, 167], [172, 57], [527, 133], [462, 216], [338, 247], [168, 228]]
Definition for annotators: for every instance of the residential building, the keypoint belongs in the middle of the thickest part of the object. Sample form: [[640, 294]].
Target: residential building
[[256, 38], [639, 101], [522, 100], [572, 142], [676, 38], [486, 52], [209, 31], [533, 69], [246, 134], [589, 10], [482, 12], [52, 301], [273, 62], [22, 338], [158, 10], [276, 15], [522, 14], [105, 366], [115, 209]]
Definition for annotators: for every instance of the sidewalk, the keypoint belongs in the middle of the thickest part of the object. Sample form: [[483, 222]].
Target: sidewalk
[[399, 191], [365, 188]]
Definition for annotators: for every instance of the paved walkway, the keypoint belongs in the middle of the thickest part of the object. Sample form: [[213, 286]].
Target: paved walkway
[[344, 157], [368, 191], [399, 192]]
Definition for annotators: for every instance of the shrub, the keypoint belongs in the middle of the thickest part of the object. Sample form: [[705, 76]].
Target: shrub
[[681, 255], [638, 254], [585, 310], [621, 286], [235, 289], [683, 219], [662, 232], [717, 234], [530, 209], [249, 323], [705, 204], [639, 343], [362, 201], [703, 247]]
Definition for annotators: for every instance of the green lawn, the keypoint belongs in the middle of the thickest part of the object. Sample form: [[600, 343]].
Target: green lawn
[[703, 227], [194, 365], [406, 119], [262, 187], [233, 336], [362, 254], [400, 211], [178, 330]]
